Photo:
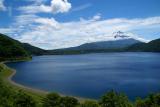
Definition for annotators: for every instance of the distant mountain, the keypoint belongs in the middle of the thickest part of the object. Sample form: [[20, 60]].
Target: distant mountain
[[105, 46], [10, 48], [119, 41], [115, 44], [153, 46]]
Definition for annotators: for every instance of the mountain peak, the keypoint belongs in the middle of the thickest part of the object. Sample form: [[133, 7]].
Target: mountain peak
[[125, 35], [121, 35]]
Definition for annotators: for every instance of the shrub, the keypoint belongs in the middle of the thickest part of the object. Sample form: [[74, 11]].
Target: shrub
[[90, 104], [152, 100], [52, 100], [6, 95], [113, 99], [69, 102], [140, 103], [24, 100]]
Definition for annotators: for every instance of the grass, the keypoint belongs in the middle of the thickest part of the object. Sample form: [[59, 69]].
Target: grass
[[6, 72]]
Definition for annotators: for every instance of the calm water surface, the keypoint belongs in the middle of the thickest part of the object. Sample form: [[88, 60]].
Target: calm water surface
[[91, 75]]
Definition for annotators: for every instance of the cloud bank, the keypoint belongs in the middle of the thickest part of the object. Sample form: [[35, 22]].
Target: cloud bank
[[48, 33], [2, 7], [56, 6]]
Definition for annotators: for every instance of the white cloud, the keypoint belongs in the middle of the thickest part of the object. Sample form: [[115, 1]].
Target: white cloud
[[97, 17], [49, 22], [2, 7], [60, 6], [57, 6], [50, 34], [37, 1], [25, 19], [7, 30], [35, 9], [81, 7]]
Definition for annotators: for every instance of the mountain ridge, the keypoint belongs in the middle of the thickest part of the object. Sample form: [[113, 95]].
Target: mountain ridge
[[13, 48]]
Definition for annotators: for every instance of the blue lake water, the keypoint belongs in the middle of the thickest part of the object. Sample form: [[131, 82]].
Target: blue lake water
[[91, 75]]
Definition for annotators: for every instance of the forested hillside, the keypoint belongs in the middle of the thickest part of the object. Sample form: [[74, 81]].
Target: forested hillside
[[153, 46], [11, 49]]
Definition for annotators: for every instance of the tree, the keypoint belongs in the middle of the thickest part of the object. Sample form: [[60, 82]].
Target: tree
[[90, 104], [140, 103], [157, 99], [24, 100], [68, 102], [153, 100], [6, 95], [113, 99], [52, 100]]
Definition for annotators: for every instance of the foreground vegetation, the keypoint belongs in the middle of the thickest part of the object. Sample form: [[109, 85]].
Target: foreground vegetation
[[12, 96]]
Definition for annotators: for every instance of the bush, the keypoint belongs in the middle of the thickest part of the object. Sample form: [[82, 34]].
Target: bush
[[113, 99], [69, 102], [140, 103], [1, 68], [11, 98], [6, 95], [52, 100], [90, 104], [152, 100], [24, 100]]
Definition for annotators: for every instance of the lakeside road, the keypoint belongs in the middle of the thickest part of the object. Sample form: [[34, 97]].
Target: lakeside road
[[8, 79]]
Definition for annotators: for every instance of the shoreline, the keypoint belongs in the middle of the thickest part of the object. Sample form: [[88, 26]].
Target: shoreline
[[9, 79], [34, 90]]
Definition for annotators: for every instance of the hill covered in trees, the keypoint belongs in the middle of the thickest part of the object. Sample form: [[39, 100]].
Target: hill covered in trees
[[33, 50], [152, 46], [11, 49]]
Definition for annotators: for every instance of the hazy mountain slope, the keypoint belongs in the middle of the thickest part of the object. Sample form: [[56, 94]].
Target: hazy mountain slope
[[96, 47], [116, 42], [107, 44]]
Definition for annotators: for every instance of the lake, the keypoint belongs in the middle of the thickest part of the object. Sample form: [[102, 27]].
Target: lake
[[91, 75]]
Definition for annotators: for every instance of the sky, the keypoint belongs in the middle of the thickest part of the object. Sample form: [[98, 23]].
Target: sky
[[53, 24]]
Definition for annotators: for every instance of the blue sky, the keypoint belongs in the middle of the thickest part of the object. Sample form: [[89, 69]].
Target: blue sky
[[52, 24]]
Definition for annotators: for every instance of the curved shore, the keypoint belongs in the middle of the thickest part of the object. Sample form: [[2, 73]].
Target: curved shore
[[32, 90], [22, 86]]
